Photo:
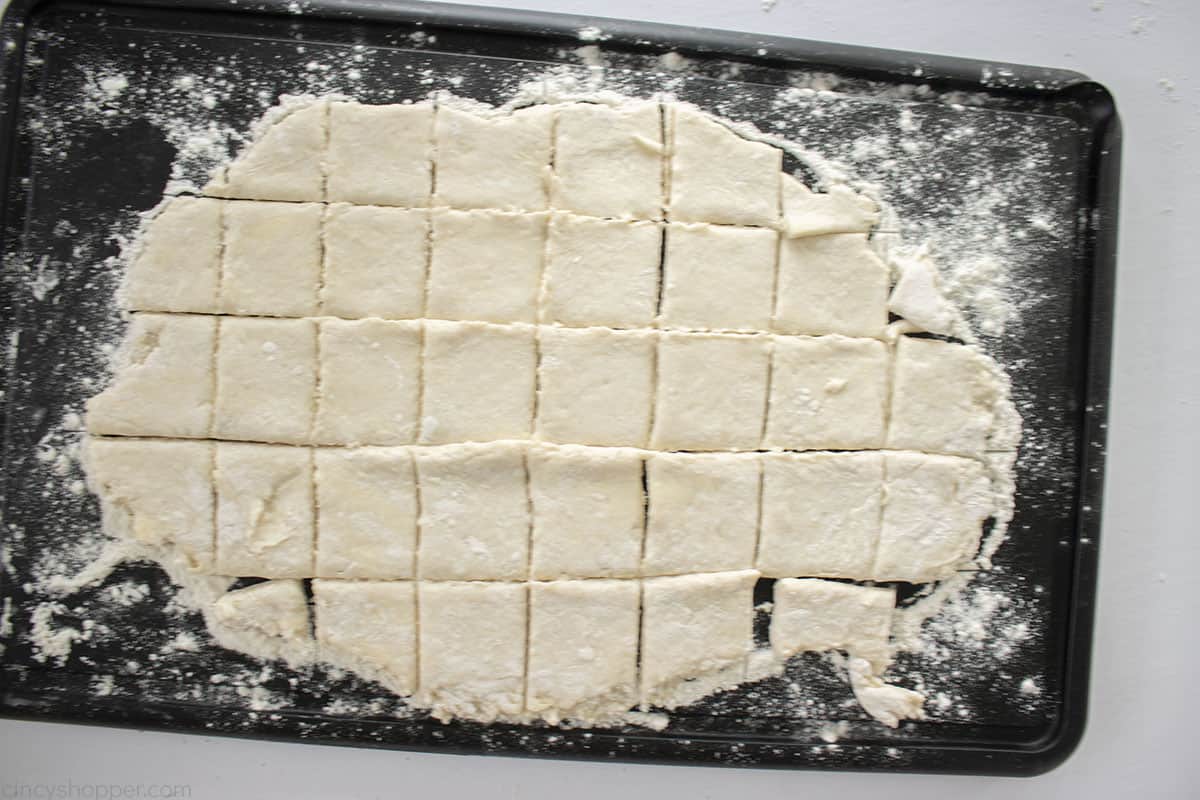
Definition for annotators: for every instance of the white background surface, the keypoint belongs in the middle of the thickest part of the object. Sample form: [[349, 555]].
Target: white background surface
[[1141, 737]]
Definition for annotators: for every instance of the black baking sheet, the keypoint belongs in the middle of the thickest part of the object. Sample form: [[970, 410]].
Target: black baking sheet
[[83, 155]]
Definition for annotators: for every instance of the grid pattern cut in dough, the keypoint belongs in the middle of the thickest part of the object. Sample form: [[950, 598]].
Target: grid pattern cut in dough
[[529, 420]]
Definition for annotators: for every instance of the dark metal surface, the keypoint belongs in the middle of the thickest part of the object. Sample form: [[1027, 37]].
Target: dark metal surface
[[63, 196]]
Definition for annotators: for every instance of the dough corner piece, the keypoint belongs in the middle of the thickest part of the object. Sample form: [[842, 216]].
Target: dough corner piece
[[160, 387], [157, 493], [933, 518], [266, 620], [369, 627], [283, 162], [697, 635], [944, 398], [816, 615], [840, 209]]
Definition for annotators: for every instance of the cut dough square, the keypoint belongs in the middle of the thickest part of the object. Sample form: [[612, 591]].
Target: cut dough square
[[717, 176], [583, 640], [718, 277], [473, 641], [608, 161], [479, 382], [163, 385], [269, 618], [498, 161], [272, 258], [179, 264], [840, 209], [820, 514], [588, 512], [702, 513], [831, 284], [366, 513], [474, 512], [827, 392], [284, 162], [369, 627], [266, 378], [370, 382], [697, 631], [597, 386], [816, 615], [933, 517], [486, 265], [264, 510], [380, 155], [156, 492], [375, 260], [601, 272], [943, 398], [712, 392]]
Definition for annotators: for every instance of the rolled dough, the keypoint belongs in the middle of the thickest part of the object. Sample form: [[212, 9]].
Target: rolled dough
[[366, 513], [163, 384]]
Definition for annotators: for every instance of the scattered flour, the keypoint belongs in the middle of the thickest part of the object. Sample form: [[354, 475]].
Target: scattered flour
[[975, 276]]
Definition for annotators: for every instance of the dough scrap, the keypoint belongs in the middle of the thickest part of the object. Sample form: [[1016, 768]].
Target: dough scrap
[[887, 704], [475, 517], [918, 297], [608, 160], [596, 386], [264, 510], [827, 392], [697, 631], [583, 638], [266, 379], [833, 283], [840, 209], [500, 162], [702, 513], [369, 627], [717, 176], [944, 398], [380, 154], [269, 618], [179, 264], [588, 512], [820, 514], [370, 382], [718, 277], [163, 384], [375, 262], [366, 513], [933, 516], [157, 492], [283, 163], [815, 615], [601, 272], [479, 382], [486, 265], [272, 258], [472, 651], [711, 392]]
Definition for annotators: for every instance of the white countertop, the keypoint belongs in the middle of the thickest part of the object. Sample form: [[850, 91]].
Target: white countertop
[[1139, 737]]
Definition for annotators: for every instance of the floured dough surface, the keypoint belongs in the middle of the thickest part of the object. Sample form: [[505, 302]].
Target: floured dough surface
[[369, 627], [816, 615], [366, 513], [696, 634], [472, 648], [532, 400], [583, 639], [475, 514]]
